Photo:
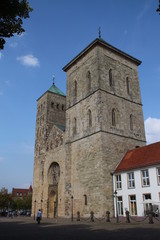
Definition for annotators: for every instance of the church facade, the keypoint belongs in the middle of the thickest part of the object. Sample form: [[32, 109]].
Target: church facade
[[81, 137]]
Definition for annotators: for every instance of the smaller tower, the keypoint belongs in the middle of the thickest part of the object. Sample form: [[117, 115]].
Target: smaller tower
[[50, 112]]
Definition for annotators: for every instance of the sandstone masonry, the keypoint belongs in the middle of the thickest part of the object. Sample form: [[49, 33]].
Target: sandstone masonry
[[81, 138]]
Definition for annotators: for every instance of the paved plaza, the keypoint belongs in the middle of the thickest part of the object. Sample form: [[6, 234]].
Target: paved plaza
[[25, 228]]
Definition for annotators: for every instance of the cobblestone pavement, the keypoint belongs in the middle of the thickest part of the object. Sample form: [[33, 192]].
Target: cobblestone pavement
[[63, 229]]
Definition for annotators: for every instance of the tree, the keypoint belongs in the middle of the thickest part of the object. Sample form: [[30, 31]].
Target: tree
[[5, 199], [11, 14]]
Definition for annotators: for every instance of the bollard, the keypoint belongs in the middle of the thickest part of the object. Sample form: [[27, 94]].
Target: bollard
[[107, 216], [127, 217], [92, 216], [150, 215], [78, 216]]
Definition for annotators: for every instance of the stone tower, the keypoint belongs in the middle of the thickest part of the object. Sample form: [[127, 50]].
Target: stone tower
[[50, 126], [81, 138], [104, 119]]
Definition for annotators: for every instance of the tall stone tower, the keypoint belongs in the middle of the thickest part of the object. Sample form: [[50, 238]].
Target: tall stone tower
[[50, 126], [81, 138], [104, 119]]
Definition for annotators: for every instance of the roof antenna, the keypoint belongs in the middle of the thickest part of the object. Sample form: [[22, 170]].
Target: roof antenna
[[99, 31], [53, 79]]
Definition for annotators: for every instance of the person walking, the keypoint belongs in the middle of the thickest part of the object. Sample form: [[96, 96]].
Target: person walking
[[39, 216]]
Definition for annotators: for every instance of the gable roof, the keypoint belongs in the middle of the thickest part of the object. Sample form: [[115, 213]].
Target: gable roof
[[140, 157], [101, 42]]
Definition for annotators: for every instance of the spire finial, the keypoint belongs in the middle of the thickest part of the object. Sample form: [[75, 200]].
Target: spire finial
[[99, 31], [53, 79]]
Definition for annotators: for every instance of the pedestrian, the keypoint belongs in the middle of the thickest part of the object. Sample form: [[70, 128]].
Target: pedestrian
[[39, 216], [157, 212]]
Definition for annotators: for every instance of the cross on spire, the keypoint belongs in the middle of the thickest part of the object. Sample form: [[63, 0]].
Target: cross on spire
[[99, 31], [53, 79]]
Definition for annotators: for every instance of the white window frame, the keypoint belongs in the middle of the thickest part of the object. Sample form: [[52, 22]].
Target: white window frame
[[131, 180], [120, 205], [118, 182], [158, 175], [133, 205], [145, 178]]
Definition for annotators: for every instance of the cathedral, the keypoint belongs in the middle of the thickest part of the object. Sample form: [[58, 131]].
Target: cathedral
[[82, 136]]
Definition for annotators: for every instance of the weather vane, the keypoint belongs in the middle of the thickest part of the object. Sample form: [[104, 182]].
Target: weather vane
[[158, 9], [99, 31], [53, 79]]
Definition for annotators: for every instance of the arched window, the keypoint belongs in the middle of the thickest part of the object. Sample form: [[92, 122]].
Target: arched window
[[131, 122], [75, 126], [52, 104], [110, 78], [127, 84], [90, 118], [113, 117], [75, 89], [85, 199], [88, 80]]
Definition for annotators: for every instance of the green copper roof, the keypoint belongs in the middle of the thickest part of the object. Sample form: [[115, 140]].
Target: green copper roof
[[56, 90]]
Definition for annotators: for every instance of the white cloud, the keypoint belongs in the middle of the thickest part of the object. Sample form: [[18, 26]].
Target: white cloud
[[144, 10], [1, 55], [29, 60], [152, 129]]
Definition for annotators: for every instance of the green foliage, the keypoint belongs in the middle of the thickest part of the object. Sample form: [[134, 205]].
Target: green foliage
[[5, 199], [11, 14]]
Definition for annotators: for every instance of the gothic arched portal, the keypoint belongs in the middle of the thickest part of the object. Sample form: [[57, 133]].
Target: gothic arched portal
[[53, 179]]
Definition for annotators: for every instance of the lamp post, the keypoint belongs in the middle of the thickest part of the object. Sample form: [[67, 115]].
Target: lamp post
[[47, 207], [115, 195], [72, 208], [34, 209]]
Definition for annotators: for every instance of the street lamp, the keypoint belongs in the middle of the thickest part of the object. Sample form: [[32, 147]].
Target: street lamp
[[34, 209], [72, 208], [115, 195]]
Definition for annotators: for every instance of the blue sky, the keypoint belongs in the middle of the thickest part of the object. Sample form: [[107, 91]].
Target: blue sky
[[56, 32]]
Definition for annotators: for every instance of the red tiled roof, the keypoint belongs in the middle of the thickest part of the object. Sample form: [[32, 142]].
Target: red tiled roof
[[140, 157]]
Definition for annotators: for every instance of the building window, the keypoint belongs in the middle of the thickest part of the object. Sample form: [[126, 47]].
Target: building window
[[127, 84], [113, 117], [85, 199], [17, 193], [120, 205], [62, 107], [131, 181], [133, 205], [158, 175], [131, 122], [118, 182], [20, 194], [75, 126], [75, 89], [52, 104], [147, 203], [90, 118], [88, 80], [145, 178], [110, 78], [57, 106]]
